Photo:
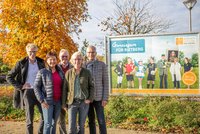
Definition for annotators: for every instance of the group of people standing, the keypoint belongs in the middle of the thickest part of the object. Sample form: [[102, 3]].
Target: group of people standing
[[175, 70], [76, 87], [132, 69], [139, 70]]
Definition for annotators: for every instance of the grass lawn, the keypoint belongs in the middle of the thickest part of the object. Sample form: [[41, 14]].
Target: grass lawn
[[157, 80]]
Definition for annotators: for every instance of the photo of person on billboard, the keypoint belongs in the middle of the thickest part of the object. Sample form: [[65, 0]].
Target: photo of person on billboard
[[175, 70], [151, 70], [172, 54], [163, 71], [130, 69], [119, 70], [140, 72]]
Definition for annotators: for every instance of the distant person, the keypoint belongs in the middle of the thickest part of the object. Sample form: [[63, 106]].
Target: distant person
[[48, 90], [172, 56], [163, 71], [22, 77], [187, 66], [129, 71], [65, 65], [151, 70], [99, 73], [119, 70], [140, 72], [175, 70]]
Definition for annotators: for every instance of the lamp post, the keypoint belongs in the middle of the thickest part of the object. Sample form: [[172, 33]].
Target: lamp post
[[189, 4]]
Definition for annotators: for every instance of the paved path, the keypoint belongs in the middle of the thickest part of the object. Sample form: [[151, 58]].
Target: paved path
[[9, 127]]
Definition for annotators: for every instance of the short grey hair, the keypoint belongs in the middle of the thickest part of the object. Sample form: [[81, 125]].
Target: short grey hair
[[30, 46], [74, 55], [63, 51], [92, 47]]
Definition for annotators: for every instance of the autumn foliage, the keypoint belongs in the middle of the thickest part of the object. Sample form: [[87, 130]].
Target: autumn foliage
[[48, 23]]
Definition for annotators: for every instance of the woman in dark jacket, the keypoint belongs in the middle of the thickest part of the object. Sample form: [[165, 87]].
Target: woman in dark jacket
[[48, 90]]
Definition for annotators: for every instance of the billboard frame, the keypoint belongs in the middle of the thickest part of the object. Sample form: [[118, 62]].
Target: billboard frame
[[144, 92]]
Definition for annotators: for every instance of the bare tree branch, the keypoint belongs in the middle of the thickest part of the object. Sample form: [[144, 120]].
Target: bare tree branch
[[133, 17]]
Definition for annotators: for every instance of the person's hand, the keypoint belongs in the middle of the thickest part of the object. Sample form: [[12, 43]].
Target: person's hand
[[64, 107], [45, 105], [104, 103], [26, 86], [87, 101]]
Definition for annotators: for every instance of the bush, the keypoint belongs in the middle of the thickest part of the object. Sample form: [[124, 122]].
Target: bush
[[120, 108], [154, 112], [7, 112], [4, 68], [150, 113]]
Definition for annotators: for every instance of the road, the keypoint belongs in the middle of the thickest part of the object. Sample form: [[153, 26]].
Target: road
[[10, 127]]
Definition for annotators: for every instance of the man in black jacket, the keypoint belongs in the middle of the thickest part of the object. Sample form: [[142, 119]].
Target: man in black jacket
[[22, 77]]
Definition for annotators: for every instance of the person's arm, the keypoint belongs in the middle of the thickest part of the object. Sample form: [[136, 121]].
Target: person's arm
[[191, 67], [105, 85], [115, 70], [91, 89], [180, 67], [147, 70], [65, 91], [171, 68], [11, 77], [38, 86]]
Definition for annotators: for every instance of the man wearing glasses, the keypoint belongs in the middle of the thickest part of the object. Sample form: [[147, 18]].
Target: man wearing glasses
[[65, 66], [22, 77], [99, 73]]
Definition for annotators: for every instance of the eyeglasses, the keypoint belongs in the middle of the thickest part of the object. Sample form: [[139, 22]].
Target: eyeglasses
[[64, 56], [77, 59], [91, 52], [32, 52]]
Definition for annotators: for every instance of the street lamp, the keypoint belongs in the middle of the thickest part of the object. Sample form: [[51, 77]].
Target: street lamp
[[189, 5]]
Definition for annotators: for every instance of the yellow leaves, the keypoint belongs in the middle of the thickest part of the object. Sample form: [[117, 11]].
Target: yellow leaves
[[47, 23]]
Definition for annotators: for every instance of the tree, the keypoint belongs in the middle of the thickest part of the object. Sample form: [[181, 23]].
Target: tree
[[84, 47], [47, 23], [195, 59], [133, 17], [181, 57]]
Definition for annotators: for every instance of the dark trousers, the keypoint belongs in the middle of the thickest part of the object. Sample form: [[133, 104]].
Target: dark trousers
[[176, 83], [99, 109], [62, 122], [163, 81], [30, 101]]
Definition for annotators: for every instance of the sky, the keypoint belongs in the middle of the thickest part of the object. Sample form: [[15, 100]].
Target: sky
[[173, 10]]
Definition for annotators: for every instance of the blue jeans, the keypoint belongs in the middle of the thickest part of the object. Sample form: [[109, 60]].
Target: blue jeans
[[97, 106], [163, 80], [77, 108], [50, 117]]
